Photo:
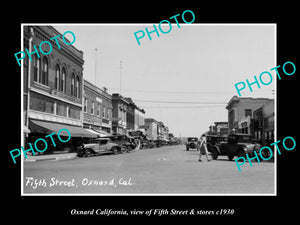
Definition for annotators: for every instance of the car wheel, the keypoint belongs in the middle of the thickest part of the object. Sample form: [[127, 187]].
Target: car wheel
[[114, 150], [241, 153], [187, 148], [265, 154], [123, 149], [214, 153], [88, 152], [230, 157]]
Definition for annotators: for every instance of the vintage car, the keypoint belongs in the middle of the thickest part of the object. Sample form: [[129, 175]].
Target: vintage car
[[214, 139], [237, 145], [192, 142], [126, 142], [99, 146]]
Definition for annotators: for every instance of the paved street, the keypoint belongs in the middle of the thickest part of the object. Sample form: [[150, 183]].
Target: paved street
[[166, 170]]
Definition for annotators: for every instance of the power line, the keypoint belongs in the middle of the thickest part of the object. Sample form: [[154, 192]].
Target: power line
[[182, 107], [182, 92], [178, 102], [175, 92]]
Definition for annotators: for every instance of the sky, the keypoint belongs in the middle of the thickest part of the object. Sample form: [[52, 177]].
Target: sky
[[183, 78]]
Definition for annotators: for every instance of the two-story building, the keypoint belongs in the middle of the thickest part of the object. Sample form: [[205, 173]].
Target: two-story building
[[97, 109], [139, 119], [264, 123], [53, 87], [240, 113], [119, 114]]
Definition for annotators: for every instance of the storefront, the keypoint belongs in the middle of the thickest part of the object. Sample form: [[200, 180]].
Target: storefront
[[39, 129]]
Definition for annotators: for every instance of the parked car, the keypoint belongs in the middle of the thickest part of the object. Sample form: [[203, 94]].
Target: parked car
[[99, 146], [147, 143], [237, 145], [126, 142], [192, 142]]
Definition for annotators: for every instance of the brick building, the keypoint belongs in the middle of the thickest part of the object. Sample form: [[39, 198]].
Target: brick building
[[264, 123], [139, 119], [52, 87], [240, 113], [97, 109], [119, 114], [130, 114]]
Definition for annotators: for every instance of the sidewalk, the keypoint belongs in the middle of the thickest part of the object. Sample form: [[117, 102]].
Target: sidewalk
[[61, 156]]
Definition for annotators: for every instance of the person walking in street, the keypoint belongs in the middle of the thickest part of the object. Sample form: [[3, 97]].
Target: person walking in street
[[204, 147]]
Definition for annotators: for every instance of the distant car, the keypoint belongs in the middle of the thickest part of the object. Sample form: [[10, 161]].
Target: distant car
[[192, 142], [100, 146], [237, 145]]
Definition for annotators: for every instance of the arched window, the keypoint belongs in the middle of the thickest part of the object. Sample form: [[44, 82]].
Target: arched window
[[44, 79], [63, 80], [73, 84], [36, 69], [57, 77], [77, 92]]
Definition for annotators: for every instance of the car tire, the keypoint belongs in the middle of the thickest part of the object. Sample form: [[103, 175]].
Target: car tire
[[114, 150], [241, 153], [187, 148], [265, 154], [89, 152], [123, 149], [214, 153], [230, 156]]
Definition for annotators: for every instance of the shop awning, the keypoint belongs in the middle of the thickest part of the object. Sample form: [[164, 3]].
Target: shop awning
[[44, 127], [99, 133], [102, 133], [93, 132], [26, 130]]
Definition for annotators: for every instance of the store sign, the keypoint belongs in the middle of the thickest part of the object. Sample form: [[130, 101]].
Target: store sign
[[244, 124]]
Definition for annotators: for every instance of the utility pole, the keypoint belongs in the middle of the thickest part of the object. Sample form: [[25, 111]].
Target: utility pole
[[95, 65], [121, 77]]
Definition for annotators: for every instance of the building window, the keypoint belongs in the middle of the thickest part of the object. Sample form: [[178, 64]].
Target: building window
[[41, 103], [108, 113], [57, 77], [63, 81], [74, 112], [98, 109], [36, 69], [103, 113], [61, 109], [44, 79], [73, 84], [85, 105], [92, 108], [77, 90], [248, 112]]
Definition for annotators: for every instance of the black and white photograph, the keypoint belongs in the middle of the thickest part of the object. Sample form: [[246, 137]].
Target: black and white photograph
[[149, 109], [149, 112]]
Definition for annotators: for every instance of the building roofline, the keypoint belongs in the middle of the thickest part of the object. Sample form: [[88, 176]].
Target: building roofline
[[237, 99]]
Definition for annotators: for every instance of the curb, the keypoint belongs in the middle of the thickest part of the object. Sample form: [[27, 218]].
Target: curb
[[51, 157]]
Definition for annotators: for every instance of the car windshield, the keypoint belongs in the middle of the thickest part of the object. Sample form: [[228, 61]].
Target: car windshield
[[192, 139]]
